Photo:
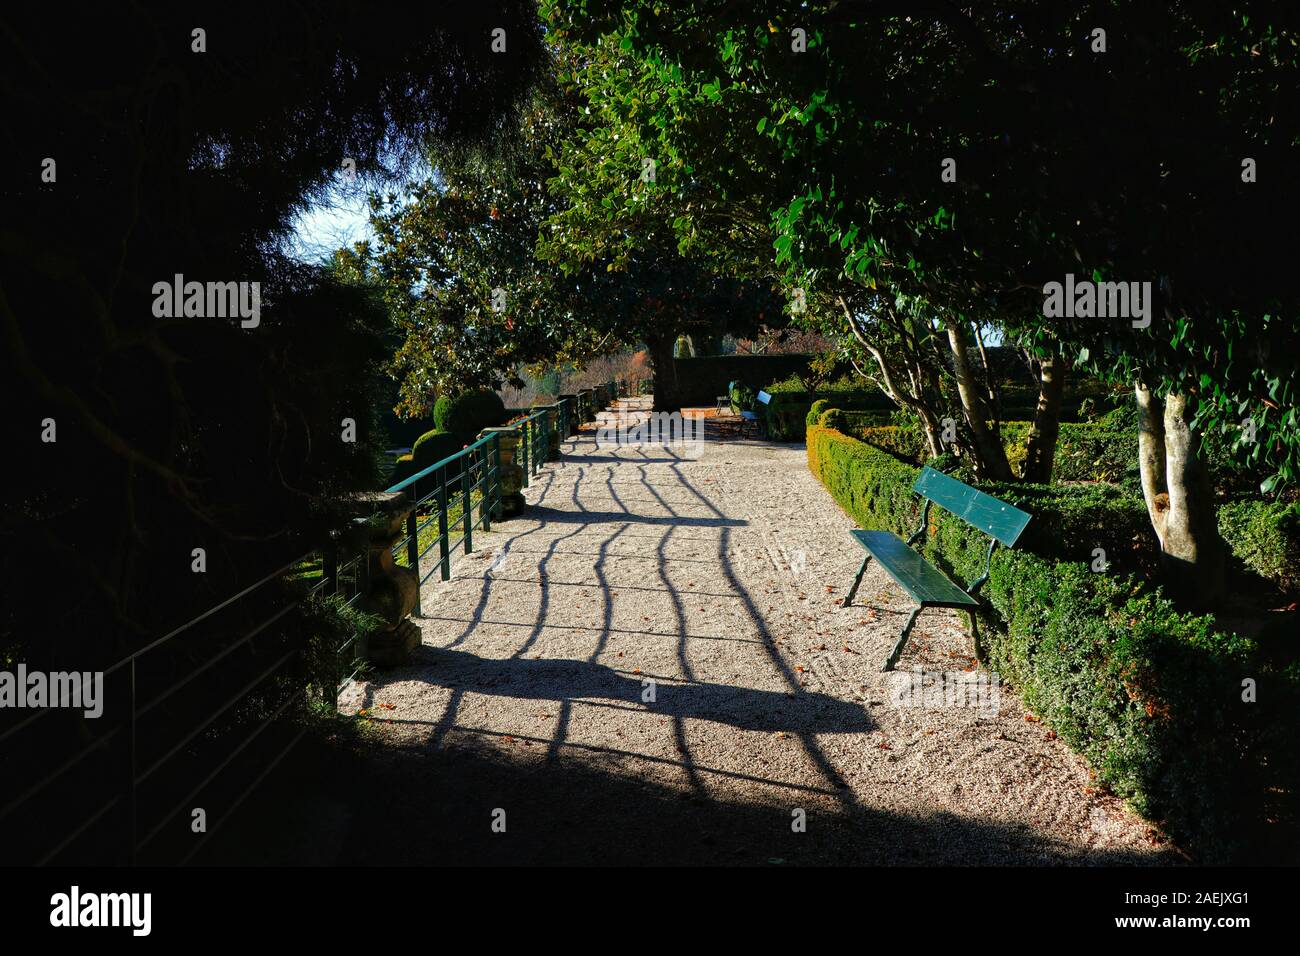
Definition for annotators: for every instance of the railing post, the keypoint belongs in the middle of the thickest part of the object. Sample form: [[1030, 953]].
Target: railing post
[[131, 762], [466, 508], [444, 549], [413, 549], [330, 564], [573, 417], [525, 440], [486, 474], [539, 436], [388, 590], [507, 472]]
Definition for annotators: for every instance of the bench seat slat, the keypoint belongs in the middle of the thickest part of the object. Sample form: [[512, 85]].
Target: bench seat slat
[[995, 518], [926, 584]]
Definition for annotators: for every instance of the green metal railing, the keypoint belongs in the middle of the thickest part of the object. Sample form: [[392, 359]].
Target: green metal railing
[[446, 495], [453, 498]]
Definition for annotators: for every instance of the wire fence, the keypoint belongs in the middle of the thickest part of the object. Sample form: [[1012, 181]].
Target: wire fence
[[195, 720]]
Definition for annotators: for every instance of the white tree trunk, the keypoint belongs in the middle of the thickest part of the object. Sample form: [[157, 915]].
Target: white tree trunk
[[990, 456], [1179, 497]]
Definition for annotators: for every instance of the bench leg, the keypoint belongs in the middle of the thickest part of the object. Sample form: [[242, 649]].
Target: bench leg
[[975, 637], [856, 581], [897, 652]]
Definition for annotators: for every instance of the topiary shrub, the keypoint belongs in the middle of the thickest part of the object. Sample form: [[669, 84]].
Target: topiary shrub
[[468, 414], [403, 468], [815, 412], [434, 446], [831, 418]]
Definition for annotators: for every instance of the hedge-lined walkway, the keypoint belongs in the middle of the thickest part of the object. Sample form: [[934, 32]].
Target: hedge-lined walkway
[[713, 578]]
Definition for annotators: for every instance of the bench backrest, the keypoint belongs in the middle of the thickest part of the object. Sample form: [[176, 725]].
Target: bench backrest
[[995, 518], [764, 397]]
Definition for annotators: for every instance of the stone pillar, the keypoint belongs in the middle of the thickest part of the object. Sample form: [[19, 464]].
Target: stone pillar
[[574, 416], [511, 475], [587, 403], [552, 429], [379, 521]]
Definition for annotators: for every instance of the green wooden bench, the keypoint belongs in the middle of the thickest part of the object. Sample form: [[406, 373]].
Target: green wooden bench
[[923, 582]]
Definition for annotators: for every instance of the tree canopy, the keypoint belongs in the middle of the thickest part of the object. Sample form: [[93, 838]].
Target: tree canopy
[[134, 150]]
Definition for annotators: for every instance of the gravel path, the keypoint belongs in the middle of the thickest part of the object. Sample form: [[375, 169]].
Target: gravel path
[[710, 583]]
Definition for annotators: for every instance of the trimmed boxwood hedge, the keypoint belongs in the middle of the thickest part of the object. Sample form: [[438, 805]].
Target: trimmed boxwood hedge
[[1150, 696], [786, 415], [430, 449], [1265, 537], [468, 414]]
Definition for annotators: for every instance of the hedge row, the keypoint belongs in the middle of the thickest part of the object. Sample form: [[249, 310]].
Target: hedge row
[[1265, 537], [1084, 451], [1150, 696], [785, 415]]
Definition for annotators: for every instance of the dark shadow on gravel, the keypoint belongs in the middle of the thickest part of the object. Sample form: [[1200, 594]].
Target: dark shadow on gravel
[[558, 516], [596, 459], [349, 800], [567, 680]]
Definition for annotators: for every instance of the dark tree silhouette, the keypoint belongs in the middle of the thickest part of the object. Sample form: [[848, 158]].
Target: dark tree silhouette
[[177, 433]]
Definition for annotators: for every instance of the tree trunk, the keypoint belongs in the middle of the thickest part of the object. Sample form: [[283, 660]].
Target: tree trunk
[[1041, 448], [930, 424], [990, 456], [889, 384], [1179, 498], [661, 359]]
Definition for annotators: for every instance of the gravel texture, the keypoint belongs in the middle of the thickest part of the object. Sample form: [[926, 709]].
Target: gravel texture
[[708, 578]]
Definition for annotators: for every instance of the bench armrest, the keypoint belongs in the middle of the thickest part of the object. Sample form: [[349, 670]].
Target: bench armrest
[[983, 578], [919, 533]]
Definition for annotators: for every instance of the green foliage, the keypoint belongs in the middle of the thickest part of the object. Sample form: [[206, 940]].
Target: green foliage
[[432, 448], [1084, 451], [815, 411], [1096, 452], [1265, 536], [1150, 696], [789, 412], [904, 443], [328, 623], [467, 414], [741, 396], [824, 158], [831, 418], [403, 468]]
